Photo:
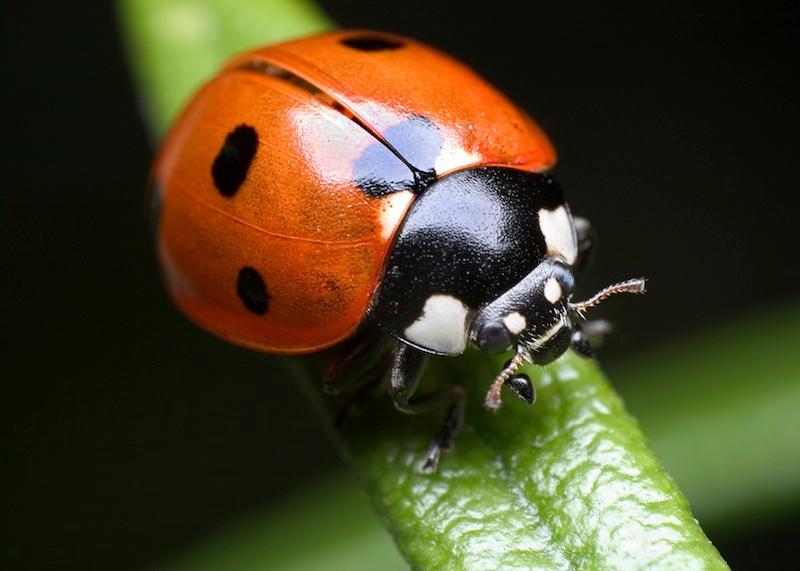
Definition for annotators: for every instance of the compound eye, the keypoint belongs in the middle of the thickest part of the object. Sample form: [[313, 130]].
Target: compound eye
[[494, 338]]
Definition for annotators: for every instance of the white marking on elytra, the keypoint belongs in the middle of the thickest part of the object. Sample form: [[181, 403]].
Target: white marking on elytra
[[552, 290], [515, 322], [442, 327], [559, 233]]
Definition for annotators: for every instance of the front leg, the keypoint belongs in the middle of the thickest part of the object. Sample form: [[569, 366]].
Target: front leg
[[407, 368], [360, 365], [361, 360], [587, 245], [588, 335], [584, 338]]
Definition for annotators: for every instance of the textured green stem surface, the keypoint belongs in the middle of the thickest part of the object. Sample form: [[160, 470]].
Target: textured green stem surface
[[569, 483]]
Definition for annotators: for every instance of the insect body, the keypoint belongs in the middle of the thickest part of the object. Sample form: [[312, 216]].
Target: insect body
[[322, 189]]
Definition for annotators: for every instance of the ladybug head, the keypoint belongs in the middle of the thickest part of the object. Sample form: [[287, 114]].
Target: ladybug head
[[533, 316], [538, 319]]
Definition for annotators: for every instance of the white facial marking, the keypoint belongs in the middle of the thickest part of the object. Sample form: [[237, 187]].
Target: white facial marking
[[442, 327], [547, 335], [559, 233], [515, 322], [552, 290]]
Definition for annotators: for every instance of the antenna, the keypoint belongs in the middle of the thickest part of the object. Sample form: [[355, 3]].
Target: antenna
[[493, 400], [636, 285]]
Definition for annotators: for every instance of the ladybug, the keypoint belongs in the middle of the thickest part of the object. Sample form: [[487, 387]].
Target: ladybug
[[364, 188]]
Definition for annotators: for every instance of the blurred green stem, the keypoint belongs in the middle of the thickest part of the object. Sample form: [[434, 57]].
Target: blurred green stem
[[720, 408], [175, 45], [567, 484]]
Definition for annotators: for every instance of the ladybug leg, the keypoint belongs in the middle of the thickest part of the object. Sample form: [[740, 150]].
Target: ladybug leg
[[579, 342], [587, 245], [359, 365], [406, 372], [362, 360], [356, 402], [588, 335]]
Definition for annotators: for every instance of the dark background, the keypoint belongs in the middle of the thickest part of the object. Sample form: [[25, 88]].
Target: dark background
[[129, 433]]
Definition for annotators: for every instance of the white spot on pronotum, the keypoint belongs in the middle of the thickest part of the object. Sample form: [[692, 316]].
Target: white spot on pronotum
[[515, 322], [393, 208], [442, 327], [552, 290], [559, 233]]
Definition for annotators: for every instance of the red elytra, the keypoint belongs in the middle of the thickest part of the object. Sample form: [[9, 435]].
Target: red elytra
[[284, 180]]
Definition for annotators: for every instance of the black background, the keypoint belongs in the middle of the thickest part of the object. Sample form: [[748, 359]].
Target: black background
[[128, 433]]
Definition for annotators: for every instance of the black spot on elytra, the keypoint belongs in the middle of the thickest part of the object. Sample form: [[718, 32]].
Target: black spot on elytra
[[370, 43], [251, 289], [233, 160], [379, 172]]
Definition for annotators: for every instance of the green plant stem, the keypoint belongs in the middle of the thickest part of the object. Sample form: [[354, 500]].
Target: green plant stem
[[175, 45], [567, 484], [750, 368]]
